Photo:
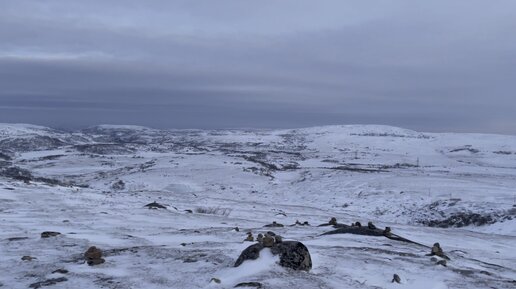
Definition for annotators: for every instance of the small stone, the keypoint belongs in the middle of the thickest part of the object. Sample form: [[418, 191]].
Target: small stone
[[93, 253], [216, 280], [28, 258], [396, 278], [48, 234], [237, 229], [333, 221], [387, 231], [437, 251], [249, 238], [60, 271], [371, 226]]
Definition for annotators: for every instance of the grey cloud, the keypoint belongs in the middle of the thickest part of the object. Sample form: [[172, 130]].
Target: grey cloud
[[434, 66]]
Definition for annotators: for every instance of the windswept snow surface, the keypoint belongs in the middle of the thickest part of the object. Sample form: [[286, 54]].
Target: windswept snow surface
[[455, 189]]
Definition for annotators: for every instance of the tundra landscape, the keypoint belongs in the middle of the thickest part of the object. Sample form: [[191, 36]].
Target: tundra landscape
[[176, 208]]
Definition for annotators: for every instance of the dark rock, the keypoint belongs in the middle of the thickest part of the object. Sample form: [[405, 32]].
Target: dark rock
[[93, 256], [60, 271], [438, 251], [387, 231], [17, 239], [95, 262], [48, 234], [249, 284], [371, 226], [274, 225], [28, 258], [396, 278], [369, 232], [356, 230], [47, 282], [293, 254], [332, 222], [297, 223], [154, 205], [250, 253], [259, 238]]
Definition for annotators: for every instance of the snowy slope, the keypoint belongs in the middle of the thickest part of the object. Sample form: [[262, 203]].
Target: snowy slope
[[455, 189]]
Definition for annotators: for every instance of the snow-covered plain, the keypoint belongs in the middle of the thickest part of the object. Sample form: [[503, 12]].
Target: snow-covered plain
[[427, 187]]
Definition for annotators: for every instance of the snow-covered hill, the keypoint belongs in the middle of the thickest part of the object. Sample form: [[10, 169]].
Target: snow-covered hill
[[92, 185]]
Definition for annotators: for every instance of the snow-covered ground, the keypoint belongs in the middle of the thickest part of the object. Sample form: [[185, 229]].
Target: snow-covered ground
[[455, 189]]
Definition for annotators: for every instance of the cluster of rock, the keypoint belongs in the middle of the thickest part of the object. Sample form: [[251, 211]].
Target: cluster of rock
[[293, 254]]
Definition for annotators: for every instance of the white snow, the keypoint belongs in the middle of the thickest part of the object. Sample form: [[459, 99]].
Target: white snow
[[247, 179]]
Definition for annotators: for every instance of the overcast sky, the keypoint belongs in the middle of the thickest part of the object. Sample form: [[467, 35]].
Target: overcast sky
[[424, 65]]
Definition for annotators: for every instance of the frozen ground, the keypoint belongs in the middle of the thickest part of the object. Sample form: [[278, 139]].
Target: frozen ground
[[91, 186]]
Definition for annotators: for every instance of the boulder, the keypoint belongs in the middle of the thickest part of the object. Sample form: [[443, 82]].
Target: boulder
[[293, 254]]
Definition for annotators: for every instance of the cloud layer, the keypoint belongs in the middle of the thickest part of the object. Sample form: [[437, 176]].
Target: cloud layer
[[425, 65]]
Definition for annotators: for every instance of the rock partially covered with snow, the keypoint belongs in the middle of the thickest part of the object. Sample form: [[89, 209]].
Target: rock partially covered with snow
[[293, 254]]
